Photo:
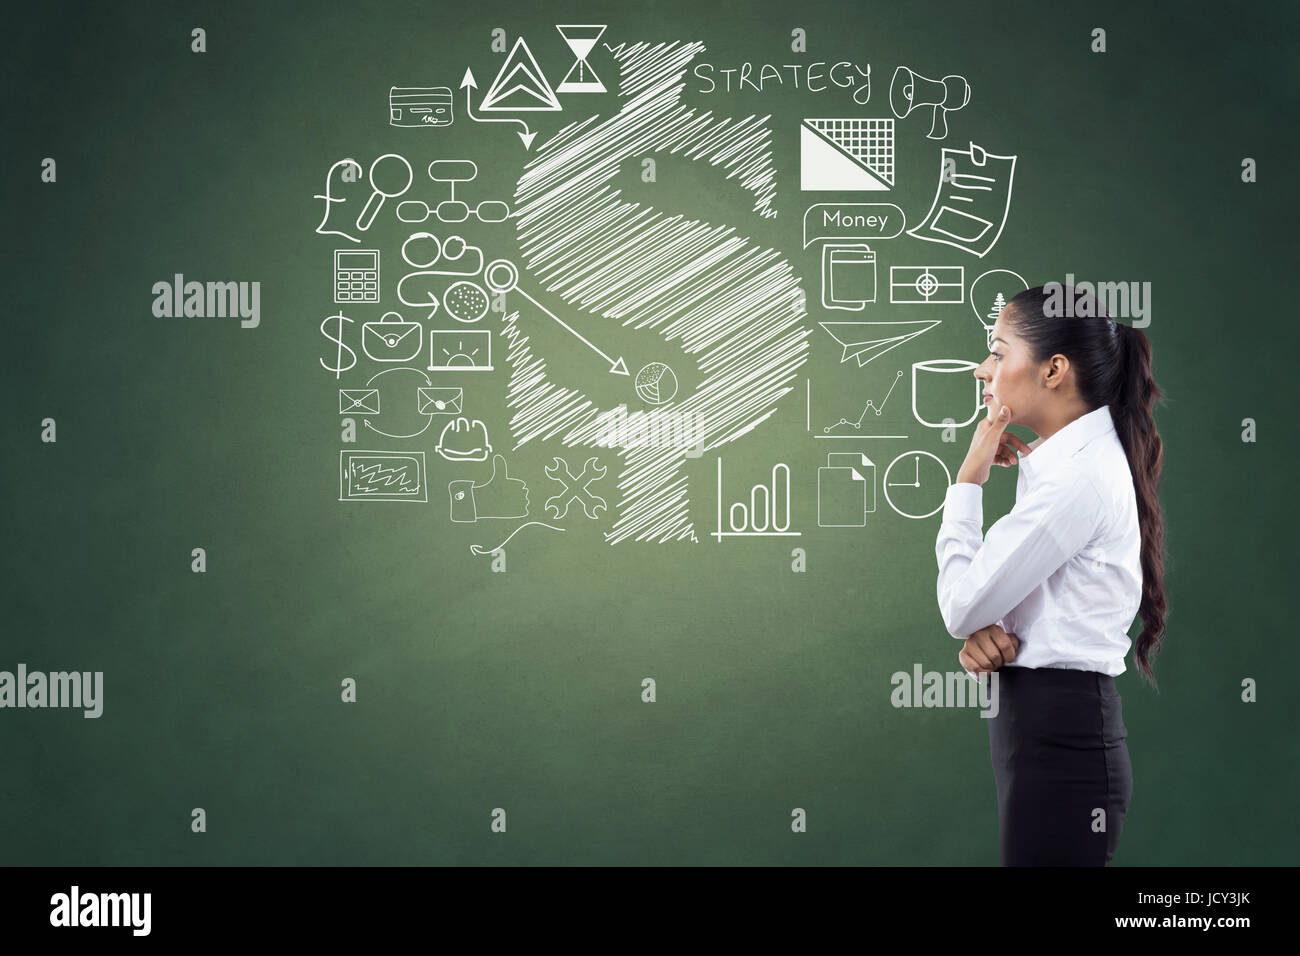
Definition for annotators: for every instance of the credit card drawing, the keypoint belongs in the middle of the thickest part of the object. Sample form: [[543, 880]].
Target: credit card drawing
[[419, 106], [848, 277]]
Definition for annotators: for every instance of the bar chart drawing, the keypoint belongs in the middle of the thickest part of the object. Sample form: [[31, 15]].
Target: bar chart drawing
[[758, 518]]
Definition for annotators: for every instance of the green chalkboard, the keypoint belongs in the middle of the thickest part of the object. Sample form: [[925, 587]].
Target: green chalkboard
[[411, 457]]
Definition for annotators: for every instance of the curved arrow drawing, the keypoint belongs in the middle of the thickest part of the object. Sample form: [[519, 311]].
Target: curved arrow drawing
[[427, 381], [480, 551], [366, 422], [467, 84]]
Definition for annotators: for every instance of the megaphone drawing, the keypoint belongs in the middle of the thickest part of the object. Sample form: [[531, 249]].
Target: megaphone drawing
[[910, 90]]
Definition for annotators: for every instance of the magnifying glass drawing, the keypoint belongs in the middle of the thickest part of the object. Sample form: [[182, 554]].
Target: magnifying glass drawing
[[387, 183]]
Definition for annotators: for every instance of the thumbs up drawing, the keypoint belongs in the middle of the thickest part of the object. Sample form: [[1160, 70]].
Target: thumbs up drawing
[[499, 497]]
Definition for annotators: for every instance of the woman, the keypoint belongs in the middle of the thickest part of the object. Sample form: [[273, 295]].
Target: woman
[[1047, 597]]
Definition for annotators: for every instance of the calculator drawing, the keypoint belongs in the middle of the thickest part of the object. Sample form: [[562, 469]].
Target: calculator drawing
[[356, 275]]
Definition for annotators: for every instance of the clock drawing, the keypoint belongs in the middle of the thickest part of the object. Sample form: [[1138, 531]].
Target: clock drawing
[[916, 484]]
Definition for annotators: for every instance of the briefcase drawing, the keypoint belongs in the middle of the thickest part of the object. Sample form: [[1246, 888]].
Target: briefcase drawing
[[419, 106], [391, 340]]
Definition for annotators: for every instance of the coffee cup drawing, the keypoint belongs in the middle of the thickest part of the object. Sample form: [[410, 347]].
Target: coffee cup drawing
[[938, 388]]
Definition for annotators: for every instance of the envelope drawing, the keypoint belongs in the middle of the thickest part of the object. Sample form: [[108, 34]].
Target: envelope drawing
[[392, 340], [440, 401], [362, 401]]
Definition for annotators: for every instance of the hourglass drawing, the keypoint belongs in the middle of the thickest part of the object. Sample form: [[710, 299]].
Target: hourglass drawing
[[581, 38]]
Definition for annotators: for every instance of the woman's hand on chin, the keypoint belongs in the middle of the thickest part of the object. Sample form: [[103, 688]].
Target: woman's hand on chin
[[991, 445]]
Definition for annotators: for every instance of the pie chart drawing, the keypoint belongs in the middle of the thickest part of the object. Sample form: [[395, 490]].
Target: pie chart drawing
[[656, 383]]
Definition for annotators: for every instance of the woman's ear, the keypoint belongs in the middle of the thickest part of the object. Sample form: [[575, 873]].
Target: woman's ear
[[1056, 370]]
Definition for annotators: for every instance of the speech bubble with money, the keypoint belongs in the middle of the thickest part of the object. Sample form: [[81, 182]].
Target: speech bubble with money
[[842, 221]]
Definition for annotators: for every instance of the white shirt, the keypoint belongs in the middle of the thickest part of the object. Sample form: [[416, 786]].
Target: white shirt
[[1063, 570]]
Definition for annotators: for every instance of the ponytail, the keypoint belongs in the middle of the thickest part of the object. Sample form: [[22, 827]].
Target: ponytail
[[1113, 364], [1131, 409]]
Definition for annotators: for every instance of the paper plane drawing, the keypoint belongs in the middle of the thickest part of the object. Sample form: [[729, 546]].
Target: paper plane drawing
[[866, 341], [520, 84]]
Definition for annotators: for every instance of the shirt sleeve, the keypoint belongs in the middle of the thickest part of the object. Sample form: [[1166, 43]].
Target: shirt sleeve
[[983, 577]]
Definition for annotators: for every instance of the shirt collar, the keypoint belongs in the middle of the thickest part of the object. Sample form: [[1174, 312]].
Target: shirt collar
[[1064, 443]]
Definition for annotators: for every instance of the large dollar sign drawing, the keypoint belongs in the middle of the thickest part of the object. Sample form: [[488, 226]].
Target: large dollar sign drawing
[[338, 368], [734, 308]]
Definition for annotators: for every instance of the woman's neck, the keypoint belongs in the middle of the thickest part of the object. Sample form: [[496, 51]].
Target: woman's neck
[[1057, 418]]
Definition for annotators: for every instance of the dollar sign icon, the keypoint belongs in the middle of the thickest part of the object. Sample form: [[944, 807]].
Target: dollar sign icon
[[338, 367], [728, 311]]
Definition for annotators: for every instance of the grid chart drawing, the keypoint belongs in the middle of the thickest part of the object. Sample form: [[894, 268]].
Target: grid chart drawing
[[870, 142]]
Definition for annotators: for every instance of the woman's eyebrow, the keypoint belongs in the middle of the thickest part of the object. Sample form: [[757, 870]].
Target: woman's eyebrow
[[996, 339]]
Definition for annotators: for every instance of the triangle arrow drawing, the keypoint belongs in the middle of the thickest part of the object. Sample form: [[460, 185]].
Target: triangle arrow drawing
[[520, 84]]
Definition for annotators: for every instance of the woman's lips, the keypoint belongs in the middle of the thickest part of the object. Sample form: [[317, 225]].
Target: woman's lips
[[988, 397]]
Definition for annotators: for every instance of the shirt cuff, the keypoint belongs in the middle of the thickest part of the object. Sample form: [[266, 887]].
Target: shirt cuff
[[964, 502], [463, 506]]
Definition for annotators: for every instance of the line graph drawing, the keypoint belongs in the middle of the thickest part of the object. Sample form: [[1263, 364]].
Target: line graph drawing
[[870, 406], [808, 418]]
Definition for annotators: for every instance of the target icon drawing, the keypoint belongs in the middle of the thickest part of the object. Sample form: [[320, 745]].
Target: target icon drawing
[[921, 285]]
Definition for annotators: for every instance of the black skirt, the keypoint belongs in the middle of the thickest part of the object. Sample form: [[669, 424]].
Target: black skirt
[[1061, 764]]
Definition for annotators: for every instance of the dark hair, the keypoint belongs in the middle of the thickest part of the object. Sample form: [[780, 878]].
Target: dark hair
[[1112, 366]]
